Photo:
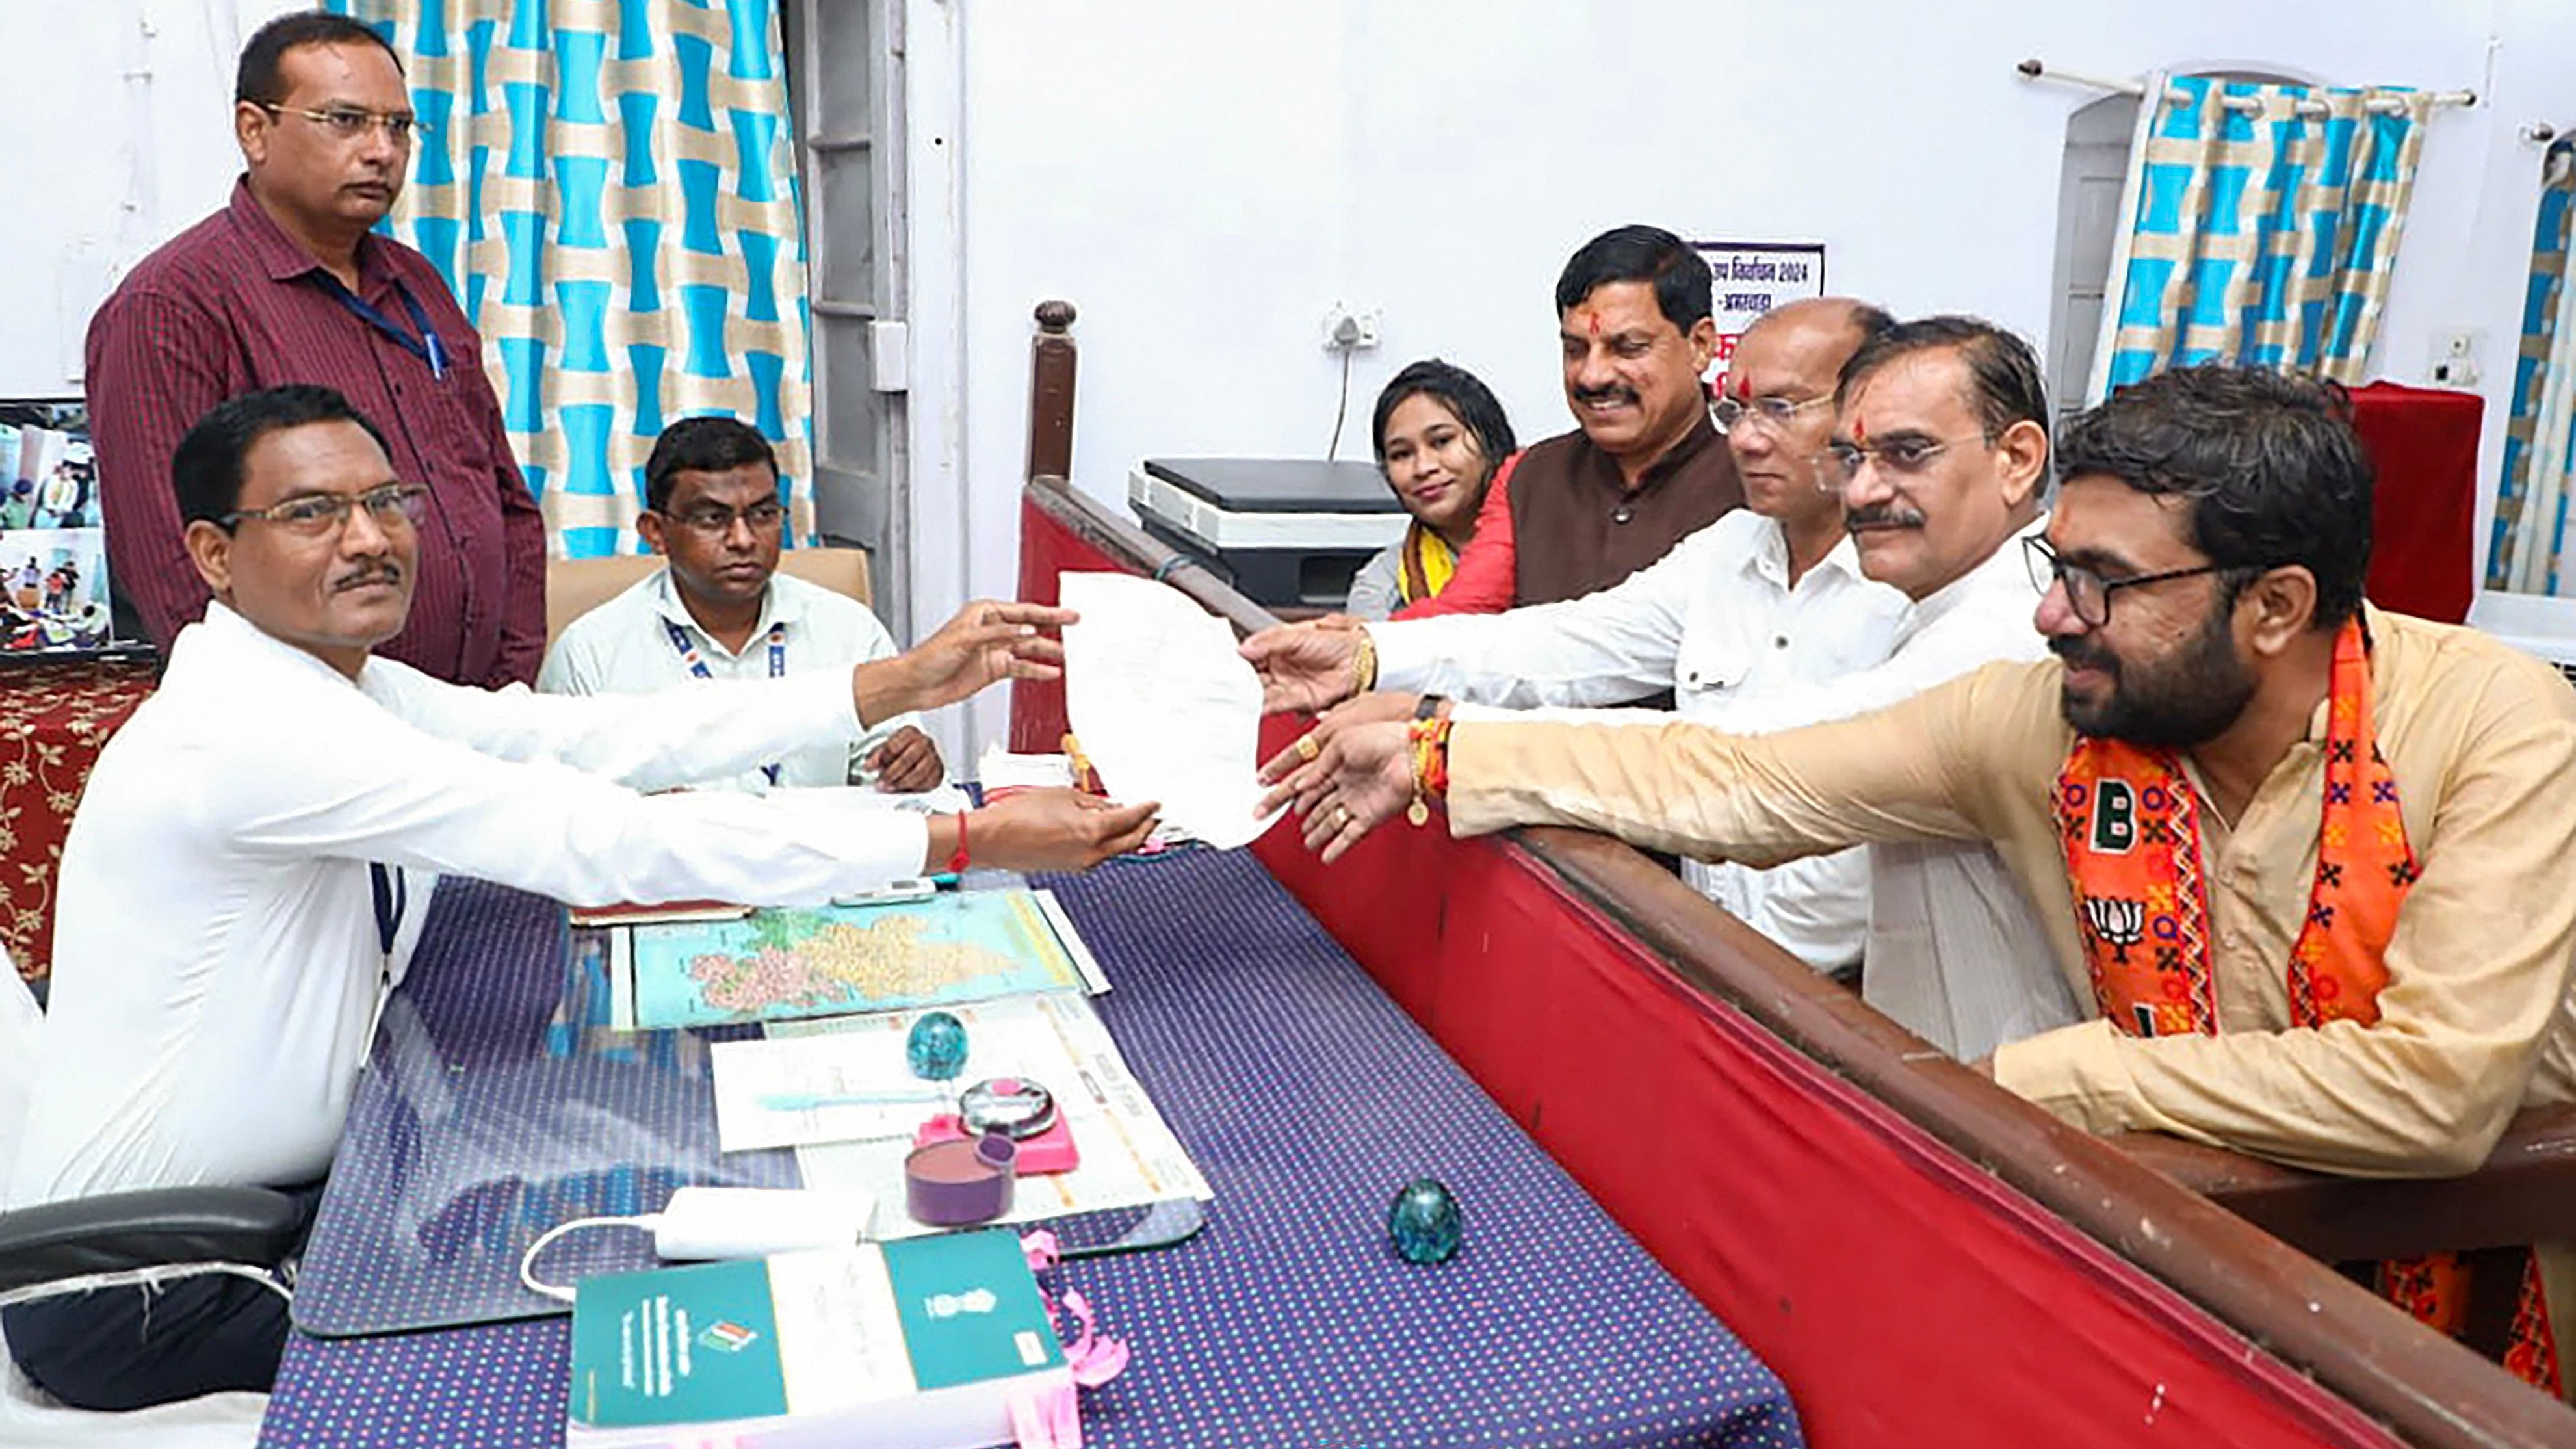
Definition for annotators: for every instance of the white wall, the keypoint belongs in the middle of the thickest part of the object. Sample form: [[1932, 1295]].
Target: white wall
[[1203, 180], [115, 133]]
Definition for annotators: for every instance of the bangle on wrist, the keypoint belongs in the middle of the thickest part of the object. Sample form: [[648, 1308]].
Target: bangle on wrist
[[1428, 707], [1364, 665], [958, 859]]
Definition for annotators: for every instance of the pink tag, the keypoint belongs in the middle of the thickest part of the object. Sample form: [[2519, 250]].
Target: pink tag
[[1053, 1419]]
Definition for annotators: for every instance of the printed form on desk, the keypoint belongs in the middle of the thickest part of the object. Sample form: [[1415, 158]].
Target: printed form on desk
[[814, 1085], [1163, 705]]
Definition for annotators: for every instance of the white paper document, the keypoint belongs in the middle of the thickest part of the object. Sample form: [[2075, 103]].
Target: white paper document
[[1164, 707]]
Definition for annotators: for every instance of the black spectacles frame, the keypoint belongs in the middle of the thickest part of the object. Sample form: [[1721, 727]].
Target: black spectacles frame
[[2048, 570]]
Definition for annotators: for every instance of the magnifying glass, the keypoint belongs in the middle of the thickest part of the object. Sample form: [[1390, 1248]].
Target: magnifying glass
[[1015, 1107]]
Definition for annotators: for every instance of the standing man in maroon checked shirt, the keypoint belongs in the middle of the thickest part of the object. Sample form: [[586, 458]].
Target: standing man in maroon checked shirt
[[287, 284]]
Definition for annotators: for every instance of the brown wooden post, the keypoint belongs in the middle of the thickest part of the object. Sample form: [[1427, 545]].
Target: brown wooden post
[[1051, 392]]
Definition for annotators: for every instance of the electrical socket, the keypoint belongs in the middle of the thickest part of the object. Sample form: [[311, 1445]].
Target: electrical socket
[[2455, 357], [1348, 327]]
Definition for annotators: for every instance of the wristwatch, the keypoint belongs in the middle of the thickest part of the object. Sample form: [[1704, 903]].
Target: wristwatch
[[1429, 706]]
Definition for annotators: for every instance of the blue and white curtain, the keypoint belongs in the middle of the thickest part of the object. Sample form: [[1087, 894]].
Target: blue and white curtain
[[2265, 221], [2525, 552], [609, 187]]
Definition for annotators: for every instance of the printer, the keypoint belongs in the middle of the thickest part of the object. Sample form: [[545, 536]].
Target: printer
[[1285, 532]]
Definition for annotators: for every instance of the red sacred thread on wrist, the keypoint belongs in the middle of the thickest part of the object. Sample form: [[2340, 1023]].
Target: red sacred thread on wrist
[[957, 858]]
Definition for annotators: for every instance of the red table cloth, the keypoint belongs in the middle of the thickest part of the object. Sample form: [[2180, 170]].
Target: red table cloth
[[53, 720]]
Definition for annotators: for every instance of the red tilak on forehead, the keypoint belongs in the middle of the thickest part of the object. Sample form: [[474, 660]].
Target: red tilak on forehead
[[1744, 388], [1860, 431], [1595, 322]]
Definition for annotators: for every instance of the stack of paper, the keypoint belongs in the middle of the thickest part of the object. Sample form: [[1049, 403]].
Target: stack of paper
[[830, 1089]]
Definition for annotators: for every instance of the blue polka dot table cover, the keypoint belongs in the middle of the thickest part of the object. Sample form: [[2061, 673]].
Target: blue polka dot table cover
[[1309, 1099]]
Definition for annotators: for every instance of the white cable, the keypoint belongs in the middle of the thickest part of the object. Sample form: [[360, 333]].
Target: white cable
[[528, 1260], [1334, 450], [151, 1277]]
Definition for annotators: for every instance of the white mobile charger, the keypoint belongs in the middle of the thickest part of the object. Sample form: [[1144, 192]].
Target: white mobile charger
[[747, 1222], [727, 1222]]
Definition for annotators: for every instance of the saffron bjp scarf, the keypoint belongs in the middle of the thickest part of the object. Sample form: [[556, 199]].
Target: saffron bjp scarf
[[2129, 818]]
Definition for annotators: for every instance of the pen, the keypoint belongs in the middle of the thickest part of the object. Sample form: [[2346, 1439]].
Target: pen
[[810, 1101]]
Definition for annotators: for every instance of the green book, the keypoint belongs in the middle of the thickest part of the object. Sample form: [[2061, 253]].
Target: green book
[[921, 1344]]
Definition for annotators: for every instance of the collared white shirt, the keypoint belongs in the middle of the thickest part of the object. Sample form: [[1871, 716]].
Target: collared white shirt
[[1717, 622], [624, 647], [216, 954], [1957, 954]]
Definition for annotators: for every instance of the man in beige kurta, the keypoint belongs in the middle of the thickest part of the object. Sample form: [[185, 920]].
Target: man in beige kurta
[[2204, 563]]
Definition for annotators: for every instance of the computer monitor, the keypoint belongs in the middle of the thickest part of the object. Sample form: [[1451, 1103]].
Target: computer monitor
[[53, 538]]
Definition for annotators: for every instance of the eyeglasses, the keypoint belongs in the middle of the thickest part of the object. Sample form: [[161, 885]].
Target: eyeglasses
[[1904, 458], [2088, 593], [319, 515], [1779, 412], [715, 522], [348, 123]]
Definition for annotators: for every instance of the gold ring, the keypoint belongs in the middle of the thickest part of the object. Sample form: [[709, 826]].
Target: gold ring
[[1307, 749], [1341, 812]]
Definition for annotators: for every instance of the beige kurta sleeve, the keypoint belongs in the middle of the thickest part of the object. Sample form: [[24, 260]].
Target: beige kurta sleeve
[[2476, 973], [1919, 770]]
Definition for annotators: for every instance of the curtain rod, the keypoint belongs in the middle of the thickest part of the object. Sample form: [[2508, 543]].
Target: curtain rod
[[2036, 69]]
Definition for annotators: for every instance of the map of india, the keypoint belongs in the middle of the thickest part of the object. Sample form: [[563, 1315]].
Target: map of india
[[774, 964]]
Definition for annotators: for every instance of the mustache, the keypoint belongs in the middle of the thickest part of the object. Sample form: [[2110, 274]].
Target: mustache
[[1612, 393], [361, 578], [1881, 515], [2082, 653]]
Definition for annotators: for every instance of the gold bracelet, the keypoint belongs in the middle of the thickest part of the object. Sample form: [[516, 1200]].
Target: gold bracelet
[[1364, 665]]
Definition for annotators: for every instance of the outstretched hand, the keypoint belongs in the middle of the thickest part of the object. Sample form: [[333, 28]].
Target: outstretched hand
[[1343, 780], [987, 642], [1304, 666], [1056, 829]]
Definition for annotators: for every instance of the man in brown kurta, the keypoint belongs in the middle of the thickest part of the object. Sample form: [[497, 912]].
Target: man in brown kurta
[[1644, 469]]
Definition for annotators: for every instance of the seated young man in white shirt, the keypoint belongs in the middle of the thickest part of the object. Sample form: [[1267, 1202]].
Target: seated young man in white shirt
[[720, 609], [220, 952]]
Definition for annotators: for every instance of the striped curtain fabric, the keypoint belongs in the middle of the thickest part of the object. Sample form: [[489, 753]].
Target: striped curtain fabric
[[2525, 549], [609, 187], [2266, 219]]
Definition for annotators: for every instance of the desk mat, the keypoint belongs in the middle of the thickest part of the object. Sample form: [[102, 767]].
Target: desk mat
[[498, 1103], [1308, 1097]]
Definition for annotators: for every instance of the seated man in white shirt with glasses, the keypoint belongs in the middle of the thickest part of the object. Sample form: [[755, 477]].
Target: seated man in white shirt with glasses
[[225, 930], [1947, 450], [720, 609]]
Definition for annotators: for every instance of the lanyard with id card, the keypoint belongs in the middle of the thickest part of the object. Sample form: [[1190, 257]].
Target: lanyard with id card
[[391, 890], [422, 343]]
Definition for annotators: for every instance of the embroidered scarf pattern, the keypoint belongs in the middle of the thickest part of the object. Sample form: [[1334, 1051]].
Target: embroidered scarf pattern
[[1429, 562], [2129, 819]]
